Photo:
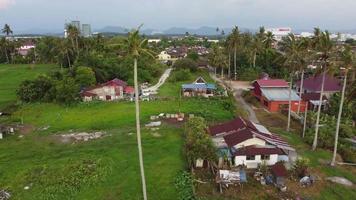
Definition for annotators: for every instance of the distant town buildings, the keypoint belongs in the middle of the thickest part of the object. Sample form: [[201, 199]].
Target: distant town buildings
[[279, 33], [85, 29]]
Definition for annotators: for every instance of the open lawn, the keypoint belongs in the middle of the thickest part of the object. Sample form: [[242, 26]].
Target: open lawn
[[12, 75], [103, 169], [106, 168], [172, 89]]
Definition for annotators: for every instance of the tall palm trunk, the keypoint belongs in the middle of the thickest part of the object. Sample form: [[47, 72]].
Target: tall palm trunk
[[290, 102], [305, 120], [229, 71], [301, 91], [138, 129], [77, 45], [254, 59], [7, 55], [338, 120], [222, 72], [315, 142], [68, 59], [235, 52]]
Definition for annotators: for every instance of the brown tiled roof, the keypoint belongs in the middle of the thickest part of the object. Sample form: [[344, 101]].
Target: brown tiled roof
[[313, 83], [238, 137], [226, 127], [253, 150], [312, 97]]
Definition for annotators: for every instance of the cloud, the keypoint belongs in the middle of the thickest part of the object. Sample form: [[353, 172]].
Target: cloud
[[6, 3]]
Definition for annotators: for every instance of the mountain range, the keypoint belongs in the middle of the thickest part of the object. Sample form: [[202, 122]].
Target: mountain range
[[203, 30]]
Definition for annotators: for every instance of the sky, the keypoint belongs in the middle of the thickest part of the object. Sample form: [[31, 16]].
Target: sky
[[162, 14]]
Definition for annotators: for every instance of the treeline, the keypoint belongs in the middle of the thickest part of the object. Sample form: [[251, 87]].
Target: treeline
[[60, 86], [105, 56]]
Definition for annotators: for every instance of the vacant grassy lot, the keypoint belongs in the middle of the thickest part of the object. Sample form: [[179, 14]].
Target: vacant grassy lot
[[103, 169], [106, 168], [12, 75]]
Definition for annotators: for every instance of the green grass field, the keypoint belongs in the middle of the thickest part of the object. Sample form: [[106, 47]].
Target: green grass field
[[106, 168], [12, 75], [172, 89]]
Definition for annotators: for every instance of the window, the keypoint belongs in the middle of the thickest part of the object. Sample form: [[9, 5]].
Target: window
[[264, 157], [250, 157]]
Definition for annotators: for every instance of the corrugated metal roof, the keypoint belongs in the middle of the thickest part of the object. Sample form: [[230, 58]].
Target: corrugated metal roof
[[199, 86], [279, 94], [272, 83]]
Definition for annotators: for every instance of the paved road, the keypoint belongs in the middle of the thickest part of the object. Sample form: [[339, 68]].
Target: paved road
[[161, 81], [238, 87]]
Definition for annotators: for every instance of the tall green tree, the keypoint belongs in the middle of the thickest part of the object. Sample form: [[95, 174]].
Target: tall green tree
[[73, 35], [218, 59], [348, 61], [136, 47], [324, 51], [292, 60], [7, 31], [235, 40]]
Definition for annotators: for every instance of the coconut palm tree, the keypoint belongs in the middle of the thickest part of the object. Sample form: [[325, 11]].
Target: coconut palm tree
[[136, 46], [217, 58], [304, 45], [229, 48], [348, 61], [7, 31], [73, 34], [255, 48], [325, 49], [269, 40], [235, 42], [292, 59]]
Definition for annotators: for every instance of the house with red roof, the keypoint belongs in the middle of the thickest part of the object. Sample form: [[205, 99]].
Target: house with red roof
[[115, 89], [313, 85], [250, 144], [26, 47], [274, 95]]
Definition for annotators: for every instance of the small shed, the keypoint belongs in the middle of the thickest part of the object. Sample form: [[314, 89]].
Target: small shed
[[279, 173]]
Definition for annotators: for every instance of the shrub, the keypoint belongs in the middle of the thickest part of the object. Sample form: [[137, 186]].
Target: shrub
[[300, 168], [186, 63], [184, 186], [181, 75]]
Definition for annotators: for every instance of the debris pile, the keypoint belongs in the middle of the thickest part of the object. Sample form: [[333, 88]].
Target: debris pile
[[4, 195], [340, 180], [84, 136]]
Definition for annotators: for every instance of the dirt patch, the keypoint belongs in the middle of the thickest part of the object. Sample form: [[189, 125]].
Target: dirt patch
[[175, 122], [157, 135], [26, 129], [80, 137]]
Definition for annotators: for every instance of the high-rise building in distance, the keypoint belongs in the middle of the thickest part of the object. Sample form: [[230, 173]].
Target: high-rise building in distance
[[86, 30]]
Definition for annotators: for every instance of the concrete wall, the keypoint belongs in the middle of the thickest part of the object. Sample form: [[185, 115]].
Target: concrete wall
[[252, 164]]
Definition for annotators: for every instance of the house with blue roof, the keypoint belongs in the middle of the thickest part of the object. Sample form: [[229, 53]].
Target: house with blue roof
[[198, 88]]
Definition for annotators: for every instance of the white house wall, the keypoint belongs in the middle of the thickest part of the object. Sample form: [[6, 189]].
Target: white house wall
[[251, 164]]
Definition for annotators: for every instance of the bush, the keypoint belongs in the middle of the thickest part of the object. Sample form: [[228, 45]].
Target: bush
[[184, 186], [300, 168], [35, 90], [249, 74], [186, 63], [347, 153], [181, 75]]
